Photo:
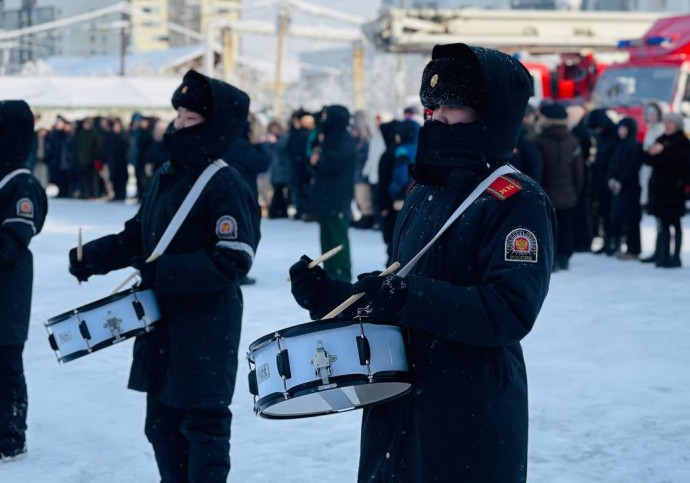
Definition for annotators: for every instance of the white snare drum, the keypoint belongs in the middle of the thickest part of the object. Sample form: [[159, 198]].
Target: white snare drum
[[325, 367], [102, 323]]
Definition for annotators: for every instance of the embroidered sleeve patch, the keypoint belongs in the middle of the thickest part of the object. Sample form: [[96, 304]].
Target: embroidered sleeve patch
[[25, 208], [521, 246], [226, 228], [504, 187]]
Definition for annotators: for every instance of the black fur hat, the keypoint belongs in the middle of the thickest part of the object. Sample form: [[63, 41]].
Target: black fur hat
[[194, 94], [453, 78]]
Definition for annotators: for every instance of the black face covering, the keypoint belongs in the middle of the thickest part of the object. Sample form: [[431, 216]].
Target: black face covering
[[486, 143], [188, 146], [446, 147]]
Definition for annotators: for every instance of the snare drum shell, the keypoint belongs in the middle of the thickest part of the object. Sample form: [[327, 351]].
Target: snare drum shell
[[86, 329], [339, 341]]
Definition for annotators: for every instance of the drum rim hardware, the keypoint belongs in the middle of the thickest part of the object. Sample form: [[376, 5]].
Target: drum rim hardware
[[322, 360]]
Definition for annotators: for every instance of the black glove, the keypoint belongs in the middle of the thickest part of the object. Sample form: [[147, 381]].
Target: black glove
[[308, 285], [386, 296], [147, 272], [79, 268]]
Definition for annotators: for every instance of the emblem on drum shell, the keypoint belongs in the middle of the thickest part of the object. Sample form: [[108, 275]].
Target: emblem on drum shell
[[65, 336], [114, 325], [263, 373]]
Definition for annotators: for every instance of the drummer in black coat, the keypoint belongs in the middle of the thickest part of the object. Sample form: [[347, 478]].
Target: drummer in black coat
[[188, 363], [471, 298], [23, 208]]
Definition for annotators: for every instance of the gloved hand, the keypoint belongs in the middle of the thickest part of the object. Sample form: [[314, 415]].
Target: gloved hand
[[147, 272], [308, 285], [79, 268], [385, 296]]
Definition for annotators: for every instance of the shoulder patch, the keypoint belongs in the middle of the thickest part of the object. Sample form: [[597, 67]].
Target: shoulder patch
[[226, 228], [521, 246], [503, 188], [25, 208]]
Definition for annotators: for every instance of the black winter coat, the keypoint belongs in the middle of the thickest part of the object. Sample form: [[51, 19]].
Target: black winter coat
[[190, 358], [249, 160], [466, 419], [624, 167], [669, 175], [606, 136], [23, 208], [386, 163], [563, 174], [332, 187]]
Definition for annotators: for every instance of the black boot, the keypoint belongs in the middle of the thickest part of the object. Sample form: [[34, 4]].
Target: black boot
[[663, 255]]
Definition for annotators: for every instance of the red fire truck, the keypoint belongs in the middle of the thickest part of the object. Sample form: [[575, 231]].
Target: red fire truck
[[658, 69], [572, 76]]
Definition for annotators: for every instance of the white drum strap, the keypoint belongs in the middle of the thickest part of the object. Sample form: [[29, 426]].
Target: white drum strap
[[505, 169], [186, 206], [11, 175]]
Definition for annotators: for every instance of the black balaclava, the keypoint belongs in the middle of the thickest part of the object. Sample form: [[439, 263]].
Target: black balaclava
[[208, 141], [495, 84], [16, 134]]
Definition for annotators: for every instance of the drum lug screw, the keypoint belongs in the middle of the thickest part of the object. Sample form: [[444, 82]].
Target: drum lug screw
[[322, 362]]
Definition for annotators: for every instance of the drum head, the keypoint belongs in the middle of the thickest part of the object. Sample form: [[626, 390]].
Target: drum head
[[314, 402]]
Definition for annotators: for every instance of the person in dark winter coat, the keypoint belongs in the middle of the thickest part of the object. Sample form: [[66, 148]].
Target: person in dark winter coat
[[471, 298], [668, 157], [624, 183], [248, 159], [281, 171], [331, 191], [115, 152], [526, 156], [302, 125], [187, 364], [562, 178], [606, 137], [385, 203], [23, 208], [577, 116]]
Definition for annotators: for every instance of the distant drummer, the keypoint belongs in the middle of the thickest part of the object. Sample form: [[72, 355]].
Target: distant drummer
[[23, 207], [187, 365], [472, 296]]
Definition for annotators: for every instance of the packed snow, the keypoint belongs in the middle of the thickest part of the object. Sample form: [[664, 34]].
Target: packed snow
[[607, 361]]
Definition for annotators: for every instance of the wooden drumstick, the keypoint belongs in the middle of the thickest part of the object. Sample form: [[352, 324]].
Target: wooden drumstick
[[80, 249], [330, 253], [133, 274], [354, 298]]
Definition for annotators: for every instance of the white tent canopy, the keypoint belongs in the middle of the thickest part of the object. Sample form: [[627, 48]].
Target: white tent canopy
[[91, 93]]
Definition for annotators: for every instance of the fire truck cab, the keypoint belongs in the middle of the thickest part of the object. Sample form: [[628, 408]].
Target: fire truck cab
[[658, 69]]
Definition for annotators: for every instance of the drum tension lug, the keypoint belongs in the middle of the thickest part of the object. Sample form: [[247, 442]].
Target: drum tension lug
[[322, 362]]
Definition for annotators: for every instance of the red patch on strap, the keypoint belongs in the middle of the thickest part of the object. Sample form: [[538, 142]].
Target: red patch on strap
[[503, 188]]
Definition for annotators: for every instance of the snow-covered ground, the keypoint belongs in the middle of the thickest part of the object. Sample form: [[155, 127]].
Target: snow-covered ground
[[608, 366]]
